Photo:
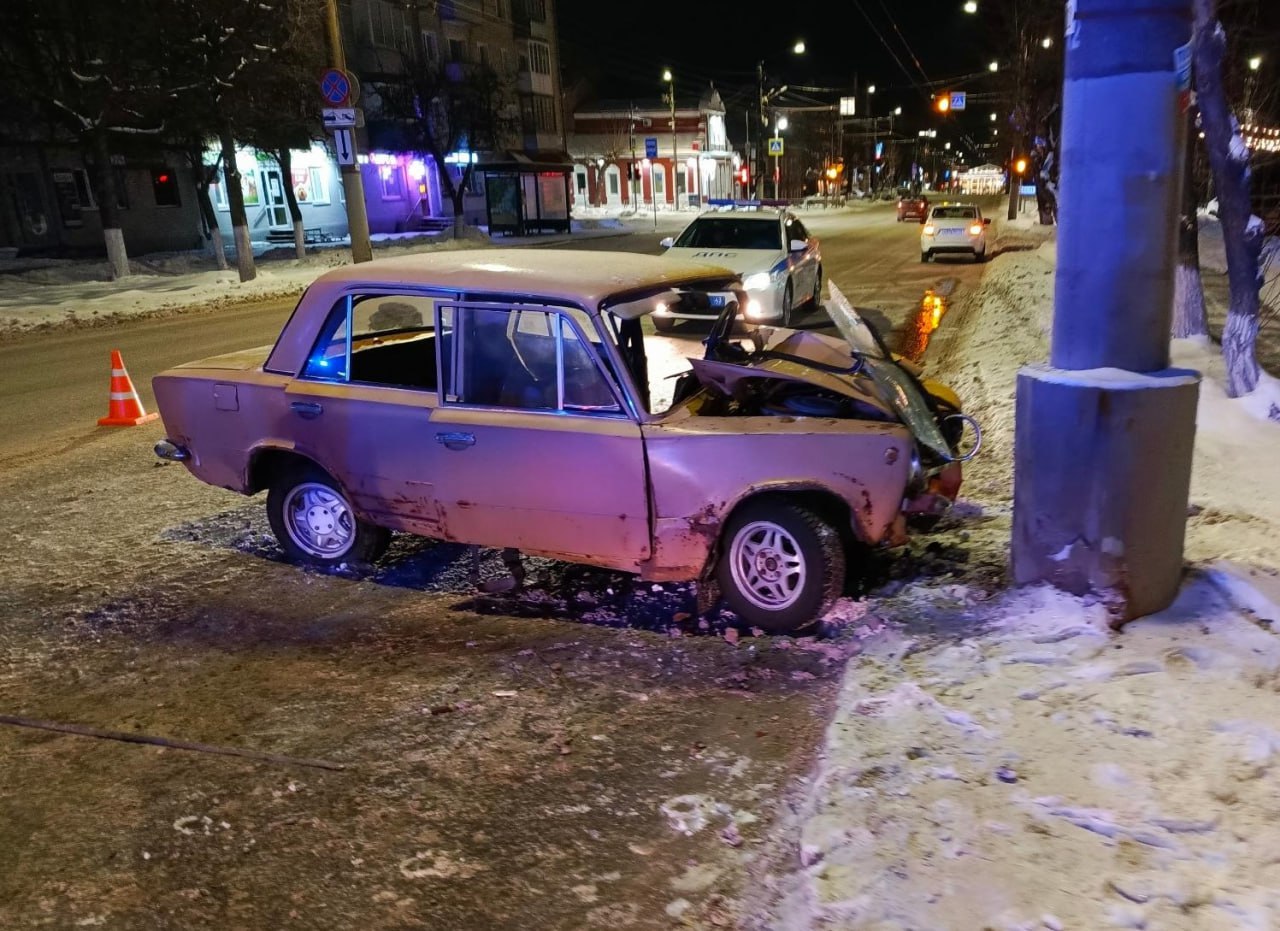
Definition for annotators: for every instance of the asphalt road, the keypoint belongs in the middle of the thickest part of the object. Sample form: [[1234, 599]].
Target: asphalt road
[[55, 383], [587, 752]]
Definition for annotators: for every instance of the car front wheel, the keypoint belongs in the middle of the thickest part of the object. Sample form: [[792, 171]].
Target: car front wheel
[[817, 288], [788, 295], [663, 324], [925, 256], [315, 524], [782, 565]]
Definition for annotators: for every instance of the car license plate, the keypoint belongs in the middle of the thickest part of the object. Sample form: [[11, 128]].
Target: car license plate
[[717, 300]]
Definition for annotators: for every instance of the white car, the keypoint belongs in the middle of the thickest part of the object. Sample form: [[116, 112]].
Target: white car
[[954, 228], [779, 261]]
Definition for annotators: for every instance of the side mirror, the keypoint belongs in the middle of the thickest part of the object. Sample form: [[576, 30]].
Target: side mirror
[[986, 221], [798, 245], [668, 242]]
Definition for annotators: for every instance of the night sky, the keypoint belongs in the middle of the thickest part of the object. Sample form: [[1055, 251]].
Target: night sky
[[906, 50]]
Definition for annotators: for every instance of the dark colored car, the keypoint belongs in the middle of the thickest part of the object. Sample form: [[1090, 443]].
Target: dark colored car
[[913, 207]]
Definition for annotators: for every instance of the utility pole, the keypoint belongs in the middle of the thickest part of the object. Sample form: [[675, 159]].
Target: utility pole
[[676, 168], [633, 174], [1105, 431], [760, 145], [352, 183]]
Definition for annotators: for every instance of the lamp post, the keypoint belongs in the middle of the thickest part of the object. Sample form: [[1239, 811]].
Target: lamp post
[[871, 89], [675, 152], [797, 49], [779, 124]]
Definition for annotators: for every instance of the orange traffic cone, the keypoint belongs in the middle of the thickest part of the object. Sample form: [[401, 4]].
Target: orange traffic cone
[[125, 407]]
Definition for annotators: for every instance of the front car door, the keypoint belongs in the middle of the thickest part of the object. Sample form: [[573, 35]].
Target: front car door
[[537, 451]]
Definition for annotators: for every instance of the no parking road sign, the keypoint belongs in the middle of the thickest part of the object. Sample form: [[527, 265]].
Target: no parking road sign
[[335, 87]]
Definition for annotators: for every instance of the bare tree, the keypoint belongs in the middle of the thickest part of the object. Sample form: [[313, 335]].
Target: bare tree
[[1189, 316], [281, 114], [444, 107], [1241, 231], [91, 73], [228, 52]]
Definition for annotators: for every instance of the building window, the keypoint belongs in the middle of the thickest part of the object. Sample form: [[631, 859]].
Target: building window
[[482, 53], [387, 25], [537, 10], [391, 178], [164, 184], [659, 181], [218, 192], [544, 114], [539, 58], [613, 183], [457, 50], [430, 47], [309, 186]]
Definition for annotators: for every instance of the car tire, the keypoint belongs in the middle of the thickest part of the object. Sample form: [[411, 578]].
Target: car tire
[[315, 524], [664, 324], [816, 299], [781, 565], [925, 256], [980, 256], [788, 295]]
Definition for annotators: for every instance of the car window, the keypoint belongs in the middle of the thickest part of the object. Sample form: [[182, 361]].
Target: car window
[[730, 233], [796, 230], [379, 339], [955, 213], [528, 359]]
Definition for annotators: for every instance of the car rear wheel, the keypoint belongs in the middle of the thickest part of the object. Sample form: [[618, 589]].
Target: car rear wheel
[[315, 524], [781, 567], [663, 324], [788, 295]]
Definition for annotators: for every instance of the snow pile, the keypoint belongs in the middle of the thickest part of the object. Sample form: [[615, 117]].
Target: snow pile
[[1049, 774], [1010, 763]]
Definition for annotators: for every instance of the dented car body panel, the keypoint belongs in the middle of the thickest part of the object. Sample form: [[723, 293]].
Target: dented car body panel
[[494, 399]]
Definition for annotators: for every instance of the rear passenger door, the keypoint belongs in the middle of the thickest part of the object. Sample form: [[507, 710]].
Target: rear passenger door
[[361, 407]]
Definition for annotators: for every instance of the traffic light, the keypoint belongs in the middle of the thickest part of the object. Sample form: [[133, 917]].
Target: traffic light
[[1020, 166], [744, 176], [943, 102]]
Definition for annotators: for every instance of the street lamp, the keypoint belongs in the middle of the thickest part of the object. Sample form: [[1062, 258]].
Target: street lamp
[[780, 123], [798, 48], [971, 7], [1046, 42], [1255, 62], [675, 152], [994, 66], [871, 89]]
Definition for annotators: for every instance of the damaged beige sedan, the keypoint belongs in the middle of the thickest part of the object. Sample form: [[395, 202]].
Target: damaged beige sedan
[[513, 399]]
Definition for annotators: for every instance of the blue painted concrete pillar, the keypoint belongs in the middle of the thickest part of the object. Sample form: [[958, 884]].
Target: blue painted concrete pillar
[[1105, 433]]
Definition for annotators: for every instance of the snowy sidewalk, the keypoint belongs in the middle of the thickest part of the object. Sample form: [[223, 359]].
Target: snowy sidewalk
[[1001, 759], [70, 292]]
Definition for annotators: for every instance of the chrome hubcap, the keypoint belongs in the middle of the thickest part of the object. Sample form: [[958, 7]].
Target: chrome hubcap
[[767, 565], [318, 520]]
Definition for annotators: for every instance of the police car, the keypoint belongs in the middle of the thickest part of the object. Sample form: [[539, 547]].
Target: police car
[[954, 228], [779, 261]]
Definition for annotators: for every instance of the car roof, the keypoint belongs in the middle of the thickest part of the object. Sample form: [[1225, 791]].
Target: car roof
[[582, 278], [577, 277]]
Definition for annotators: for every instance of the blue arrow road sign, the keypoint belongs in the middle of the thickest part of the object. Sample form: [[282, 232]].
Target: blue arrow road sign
[[651, 147]]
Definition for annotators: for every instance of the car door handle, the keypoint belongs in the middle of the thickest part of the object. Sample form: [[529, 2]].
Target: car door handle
[[309, 410], [456, 440]]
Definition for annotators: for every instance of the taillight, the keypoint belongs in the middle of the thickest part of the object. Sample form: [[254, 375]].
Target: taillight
[[975, 229], [930, 229]]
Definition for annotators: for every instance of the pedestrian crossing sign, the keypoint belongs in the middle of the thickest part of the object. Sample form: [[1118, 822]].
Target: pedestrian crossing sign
[[775, 145]]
